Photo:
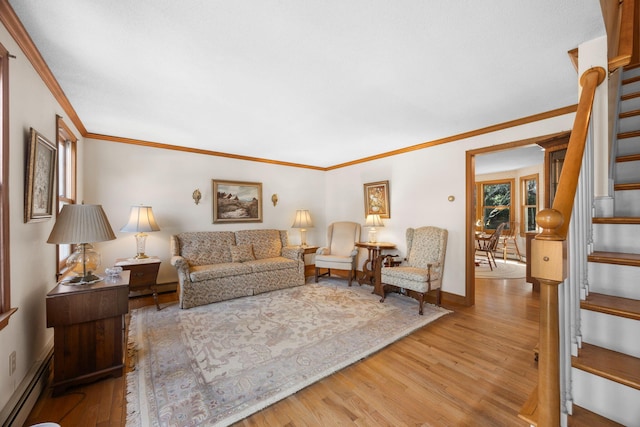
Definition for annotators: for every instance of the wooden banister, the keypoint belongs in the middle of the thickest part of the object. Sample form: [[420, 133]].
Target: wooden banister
[[549, 260], [628, 27]]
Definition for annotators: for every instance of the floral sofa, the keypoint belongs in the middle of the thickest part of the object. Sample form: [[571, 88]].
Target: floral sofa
[[219, 265]]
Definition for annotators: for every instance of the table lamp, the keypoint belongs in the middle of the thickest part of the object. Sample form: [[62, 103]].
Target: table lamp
[[302, 221], [141, 220], [81, 225], [373, 221]]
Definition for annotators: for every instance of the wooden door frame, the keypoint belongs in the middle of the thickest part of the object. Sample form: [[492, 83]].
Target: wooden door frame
[[470, 283]]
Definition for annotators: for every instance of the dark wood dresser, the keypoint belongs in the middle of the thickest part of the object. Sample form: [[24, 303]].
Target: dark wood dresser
[[88, 322]]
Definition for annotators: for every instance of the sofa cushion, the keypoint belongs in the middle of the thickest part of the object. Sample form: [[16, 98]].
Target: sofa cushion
[[241, 253], [271, 264], [216, 271], [206, 247], [266, 243]]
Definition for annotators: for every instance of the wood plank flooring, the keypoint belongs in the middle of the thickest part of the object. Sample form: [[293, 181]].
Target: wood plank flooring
[[470, 368]]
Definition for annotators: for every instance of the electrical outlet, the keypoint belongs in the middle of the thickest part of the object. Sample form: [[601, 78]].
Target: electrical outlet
[[12, 363]]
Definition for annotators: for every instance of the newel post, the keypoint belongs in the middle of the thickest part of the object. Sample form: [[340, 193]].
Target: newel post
[[549, 266]]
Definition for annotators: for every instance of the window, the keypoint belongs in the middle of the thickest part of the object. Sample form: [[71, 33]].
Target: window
[[5, 285], [529, 203], [66, 179], [495, 207]]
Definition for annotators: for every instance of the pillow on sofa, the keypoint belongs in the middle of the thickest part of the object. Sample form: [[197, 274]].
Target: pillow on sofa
[[242, 253]]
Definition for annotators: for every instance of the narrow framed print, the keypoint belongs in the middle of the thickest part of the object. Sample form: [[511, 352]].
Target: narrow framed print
[[40, 178], [376, 199]]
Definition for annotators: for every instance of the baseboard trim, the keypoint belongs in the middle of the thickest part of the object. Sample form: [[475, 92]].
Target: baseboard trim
[[18, 408]]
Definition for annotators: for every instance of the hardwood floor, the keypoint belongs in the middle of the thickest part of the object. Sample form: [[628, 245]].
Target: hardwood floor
[[472, 367]]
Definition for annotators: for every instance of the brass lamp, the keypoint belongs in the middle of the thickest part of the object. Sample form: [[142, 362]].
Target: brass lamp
[[81, 225], [373, 221], [141, 220], [303, 221]]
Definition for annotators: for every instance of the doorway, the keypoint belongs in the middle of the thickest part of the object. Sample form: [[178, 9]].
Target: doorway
[[515, 155]]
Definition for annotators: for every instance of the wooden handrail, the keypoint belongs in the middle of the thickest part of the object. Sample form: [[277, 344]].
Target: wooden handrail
[[549, 260], [628, 27]]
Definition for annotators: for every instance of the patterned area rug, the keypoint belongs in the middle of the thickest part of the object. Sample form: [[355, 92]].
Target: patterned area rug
[[217, 364], [505, 270]]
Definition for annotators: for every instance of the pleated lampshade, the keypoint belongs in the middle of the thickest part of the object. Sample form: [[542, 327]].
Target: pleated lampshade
[[81, 224]]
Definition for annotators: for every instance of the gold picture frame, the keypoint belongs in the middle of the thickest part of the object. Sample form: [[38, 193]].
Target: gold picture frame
[[236, 201], [40, 178], [376, 199]]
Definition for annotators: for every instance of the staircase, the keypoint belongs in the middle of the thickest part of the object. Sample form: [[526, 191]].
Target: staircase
[[606, 373]]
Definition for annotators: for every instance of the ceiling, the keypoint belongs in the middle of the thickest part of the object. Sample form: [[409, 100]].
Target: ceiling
[[313, 82]]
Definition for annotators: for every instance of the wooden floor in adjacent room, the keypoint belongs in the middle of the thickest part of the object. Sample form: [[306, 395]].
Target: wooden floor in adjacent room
[[474, 367]]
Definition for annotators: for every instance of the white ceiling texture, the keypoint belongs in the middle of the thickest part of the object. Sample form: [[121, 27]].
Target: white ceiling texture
[[313, 82]]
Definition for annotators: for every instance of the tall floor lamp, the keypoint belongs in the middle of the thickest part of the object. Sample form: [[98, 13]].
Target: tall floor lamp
[[82, 225]]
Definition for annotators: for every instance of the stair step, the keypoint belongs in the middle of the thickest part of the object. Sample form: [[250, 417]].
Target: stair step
[[582, 417], [614, 366], [631, 80], [615, 258], [629, 96], [628, 158], [631, 134], [628, 114], [627, 186], [616, 306], [616, 220]]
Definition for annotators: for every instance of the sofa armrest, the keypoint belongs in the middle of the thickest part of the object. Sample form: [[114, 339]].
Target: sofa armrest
[[182, 267], [295, 253]]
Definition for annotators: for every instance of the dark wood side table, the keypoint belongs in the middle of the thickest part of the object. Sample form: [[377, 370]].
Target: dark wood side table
[[144, 274], [369, 267], [88, 330]]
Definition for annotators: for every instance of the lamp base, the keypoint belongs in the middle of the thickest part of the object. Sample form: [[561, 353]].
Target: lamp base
[[140, 256], [82, 280]]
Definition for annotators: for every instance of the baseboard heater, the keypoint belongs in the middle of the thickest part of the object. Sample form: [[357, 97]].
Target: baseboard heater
[[18, 408]]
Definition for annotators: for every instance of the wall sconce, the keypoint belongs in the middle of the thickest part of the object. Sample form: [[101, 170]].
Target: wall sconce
[[197, 196], [274, 199]]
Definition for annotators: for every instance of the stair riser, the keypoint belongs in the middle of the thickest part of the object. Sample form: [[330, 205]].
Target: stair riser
[[627, 172], [627, 203], [631, 88], [616, 238], [607, 398], [616, 280], [634, 72], [612, 332], [629, 124], [628, 146]]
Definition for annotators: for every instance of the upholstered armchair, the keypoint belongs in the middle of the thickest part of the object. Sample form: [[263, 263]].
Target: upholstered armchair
[[340, 252], [421, 271]]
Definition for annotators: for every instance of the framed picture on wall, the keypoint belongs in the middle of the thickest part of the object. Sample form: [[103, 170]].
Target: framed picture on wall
[[40, 179], [376, 199], [237, 201]]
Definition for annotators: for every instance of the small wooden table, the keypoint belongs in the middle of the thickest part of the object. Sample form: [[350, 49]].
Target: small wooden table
[[309, 250], [144, 273], [88, 330], [369, 267]]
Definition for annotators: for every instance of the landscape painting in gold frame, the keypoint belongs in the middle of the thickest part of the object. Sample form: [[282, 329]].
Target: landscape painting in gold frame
[[40, 179], [376, 199], [237, 201]]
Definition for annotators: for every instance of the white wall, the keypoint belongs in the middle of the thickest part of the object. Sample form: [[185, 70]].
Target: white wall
[[420, 183], [32, 259], [120, 175]]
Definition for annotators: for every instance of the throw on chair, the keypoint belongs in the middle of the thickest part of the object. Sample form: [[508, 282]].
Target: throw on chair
[[340, 252], [422, 270]]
